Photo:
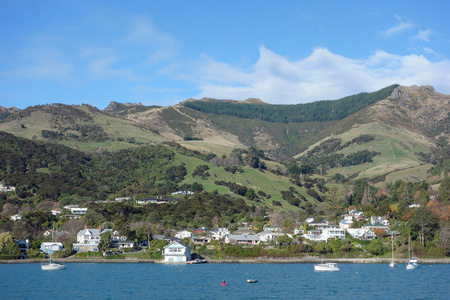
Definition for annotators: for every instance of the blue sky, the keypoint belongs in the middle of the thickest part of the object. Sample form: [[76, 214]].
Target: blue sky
[[164, 52]]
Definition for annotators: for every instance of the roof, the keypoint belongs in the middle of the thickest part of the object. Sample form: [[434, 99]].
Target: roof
[[242, 237], [177, 242], [93, 231]]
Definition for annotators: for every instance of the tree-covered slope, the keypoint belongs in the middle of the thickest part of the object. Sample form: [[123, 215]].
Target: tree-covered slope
[[319, 111]]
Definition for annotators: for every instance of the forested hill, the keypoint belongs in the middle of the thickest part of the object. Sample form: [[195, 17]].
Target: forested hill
[[319, 111]]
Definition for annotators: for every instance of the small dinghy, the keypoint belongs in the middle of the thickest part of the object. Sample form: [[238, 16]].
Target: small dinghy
[[252, 280]]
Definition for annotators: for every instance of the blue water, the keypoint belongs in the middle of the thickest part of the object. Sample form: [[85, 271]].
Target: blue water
[[276, 281]]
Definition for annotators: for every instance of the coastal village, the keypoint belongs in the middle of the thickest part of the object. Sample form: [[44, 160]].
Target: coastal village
[[179, 245]]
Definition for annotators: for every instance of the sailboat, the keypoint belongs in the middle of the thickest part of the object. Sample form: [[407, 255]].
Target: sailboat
[[392, 264], [326, 267], [413, 262], [53, 265]]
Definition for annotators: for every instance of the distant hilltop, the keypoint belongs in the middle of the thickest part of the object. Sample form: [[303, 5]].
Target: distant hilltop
[[114, 106]]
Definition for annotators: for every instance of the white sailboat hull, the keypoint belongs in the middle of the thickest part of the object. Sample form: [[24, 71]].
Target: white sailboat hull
[[326, 267], [53, 266]]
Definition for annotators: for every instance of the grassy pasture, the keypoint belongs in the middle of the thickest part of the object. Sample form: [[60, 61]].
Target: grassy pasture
[[398, 148], [251, 178]]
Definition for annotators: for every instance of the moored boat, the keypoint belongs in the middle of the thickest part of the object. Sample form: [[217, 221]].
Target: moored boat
[[53, 265], [326, 267]]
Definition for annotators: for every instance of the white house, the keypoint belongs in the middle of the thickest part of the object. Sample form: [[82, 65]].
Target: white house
[[268, 235], [177, 252], [242, 239], [355, 213], [361, 233], [381, 220], [56, 212], [16, 217], [121, 199], [88, 239], [50, 247], [326, 234], [184, 234], [78, 210], [219, 233], [123, 244], [183, 193]]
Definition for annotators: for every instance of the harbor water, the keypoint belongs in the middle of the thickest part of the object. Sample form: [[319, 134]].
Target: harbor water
[[203, 281]]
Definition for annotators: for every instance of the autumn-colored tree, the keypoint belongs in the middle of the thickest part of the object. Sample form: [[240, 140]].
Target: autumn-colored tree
[[380, 233]]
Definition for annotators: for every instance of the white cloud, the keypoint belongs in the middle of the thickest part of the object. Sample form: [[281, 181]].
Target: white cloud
[[401, 26], [101, 68], [424, 35], [321, 76], [42, 63], [161, 45]]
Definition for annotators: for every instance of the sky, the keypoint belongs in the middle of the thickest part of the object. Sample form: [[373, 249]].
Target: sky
[[164, 52]]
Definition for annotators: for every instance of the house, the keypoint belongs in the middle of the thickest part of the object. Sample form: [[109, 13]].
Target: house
[[361, 233], [48, 232], [177, 252], [183, 193], [242, 239], [198, 231], [184, 234], [78, 210], [88, 239], [165, 238], [355, 213], [298, 231], [219, 233], [345, 224], [71, 217], [56, 212], [121, 199], [373, 226], [271, 229], [50, 247], [332, 232], [315, 237], [201, 240], [414, 205], [144, 201], [23, 246], [123, 244], [317, 223], [381, 220], [268, 235], [16, 217], [68, 207]]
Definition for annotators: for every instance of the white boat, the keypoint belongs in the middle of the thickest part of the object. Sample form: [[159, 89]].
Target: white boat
[[413, 262], [53, 265], [326, 267], [392, 264], [252, 280]]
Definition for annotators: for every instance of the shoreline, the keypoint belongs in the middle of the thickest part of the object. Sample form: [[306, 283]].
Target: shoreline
[[234, 261]]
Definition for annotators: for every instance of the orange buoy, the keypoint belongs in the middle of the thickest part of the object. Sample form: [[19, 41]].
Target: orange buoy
[[223, 283]]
